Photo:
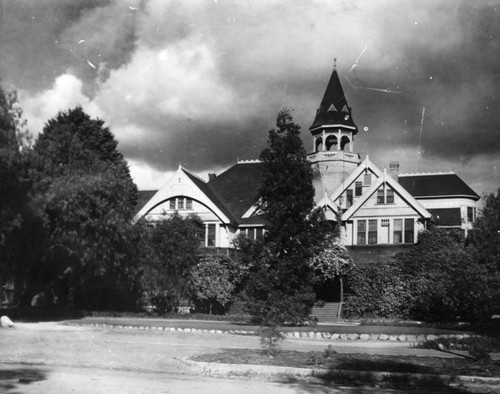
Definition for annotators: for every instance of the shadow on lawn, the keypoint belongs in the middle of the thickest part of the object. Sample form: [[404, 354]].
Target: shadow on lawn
[[12, 380], [359, 382]]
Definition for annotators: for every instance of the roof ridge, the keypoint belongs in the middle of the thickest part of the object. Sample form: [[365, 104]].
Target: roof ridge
[[428, 173], [192, 174]]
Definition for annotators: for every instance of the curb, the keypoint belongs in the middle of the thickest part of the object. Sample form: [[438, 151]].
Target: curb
[[311, 335], [272, 371]]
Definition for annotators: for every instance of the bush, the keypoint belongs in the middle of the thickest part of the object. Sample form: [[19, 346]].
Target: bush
[[378, 290]]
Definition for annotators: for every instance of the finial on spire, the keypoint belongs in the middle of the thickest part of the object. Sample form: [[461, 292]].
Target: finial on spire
[[334, 63]]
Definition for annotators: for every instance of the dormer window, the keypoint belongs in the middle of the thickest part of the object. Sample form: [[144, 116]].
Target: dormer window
[[385, 195]]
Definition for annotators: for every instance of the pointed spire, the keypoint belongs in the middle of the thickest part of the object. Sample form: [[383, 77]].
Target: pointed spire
[[334, 108]]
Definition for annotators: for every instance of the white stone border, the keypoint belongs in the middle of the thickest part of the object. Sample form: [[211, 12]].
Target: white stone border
[[309, 335]]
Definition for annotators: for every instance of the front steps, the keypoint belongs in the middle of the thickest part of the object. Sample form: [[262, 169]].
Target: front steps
[[328, 313]]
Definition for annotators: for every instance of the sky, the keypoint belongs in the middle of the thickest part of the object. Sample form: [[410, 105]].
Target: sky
[[200, 82]]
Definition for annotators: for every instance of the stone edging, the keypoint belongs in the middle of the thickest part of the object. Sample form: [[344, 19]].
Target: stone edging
[[307, 335]]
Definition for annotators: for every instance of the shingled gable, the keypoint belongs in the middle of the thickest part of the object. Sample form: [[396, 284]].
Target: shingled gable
[[385, 178], [436, 185], [194, 188], [365, 165], [237, 189], [333, 109]]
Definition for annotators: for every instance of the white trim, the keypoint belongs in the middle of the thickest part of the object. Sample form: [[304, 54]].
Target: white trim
[[332, 125], [328, 202], [168, 190], [387, 179], [366, 164], [428, 173]]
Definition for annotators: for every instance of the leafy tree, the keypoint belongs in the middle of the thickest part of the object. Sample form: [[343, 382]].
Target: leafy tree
[[85, 193], [280, 284], [332, 260], [174, 244], [18, 223], [214, 279], [486, 233]]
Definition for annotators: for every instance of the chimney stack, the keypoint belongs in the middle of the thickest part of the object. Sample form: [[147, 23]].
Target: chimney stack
[[211, 176], [394, 170]]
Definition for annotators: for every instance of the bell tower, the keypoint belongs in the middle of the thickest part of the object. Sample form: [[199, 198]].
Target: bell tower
[[333, 131]]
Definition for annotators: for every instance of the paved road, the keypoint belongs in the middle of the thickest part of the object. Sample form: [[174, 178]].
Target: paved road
[[49, 358]]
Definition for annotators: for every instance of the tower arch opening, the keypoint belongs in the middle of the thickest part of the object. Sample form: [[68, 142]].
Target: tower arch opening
[[318, 144], [345, 142], [331, 141]]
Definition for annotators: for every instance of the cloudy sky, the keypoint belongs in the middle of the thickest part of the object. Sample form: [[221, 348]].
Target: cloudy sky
[[200, 82]]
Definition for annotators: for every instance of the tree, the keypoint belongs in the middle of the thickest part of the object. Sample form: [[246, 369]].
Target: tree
[[214, 279], [486, 233], [174, 244], [86, 195], [18, 223], [280, 284], [443, 274], [332, 260]]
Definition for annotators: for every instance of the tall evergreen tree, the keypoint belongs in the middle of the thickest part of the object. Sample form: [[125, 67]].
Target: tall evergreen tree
[[86, 196], [280, 285]]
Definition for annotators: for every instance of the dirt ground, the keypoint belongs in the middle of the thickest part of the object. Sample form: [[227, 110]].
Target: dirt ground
[[55, 358]]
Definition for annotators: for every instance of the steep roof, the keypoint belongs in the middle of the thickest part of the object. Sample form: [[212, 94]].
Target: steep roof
[[143, 196], [205, 188], [236, 188], [436, 185], [333, 108]]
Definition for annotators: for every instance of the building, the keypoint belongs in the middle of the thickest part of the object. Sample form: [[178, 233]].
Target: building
[[376, 208]]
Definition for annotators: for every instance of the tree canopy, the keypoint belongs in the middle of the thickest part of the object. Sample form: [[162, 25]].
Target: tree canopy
[[85, 195]]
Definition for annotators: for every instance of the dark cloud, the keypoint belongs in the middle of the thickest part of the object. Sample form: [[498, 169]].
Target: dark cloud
[[201, 82]]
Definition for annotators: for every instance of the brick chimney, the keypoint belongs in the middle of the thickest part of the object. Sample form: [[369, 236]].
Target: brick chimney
[[394, 170]]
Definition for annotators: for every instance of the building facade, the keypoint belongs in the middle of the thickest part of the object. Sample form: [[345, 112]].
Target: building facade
[[374, 207]]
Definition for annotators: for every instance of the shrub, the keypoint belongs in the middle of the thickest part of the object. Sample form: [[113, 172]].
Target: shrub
[[378, 290]]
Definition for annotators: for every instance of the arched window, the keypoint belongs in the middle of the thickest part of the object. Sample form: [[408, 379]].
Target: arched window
[[319, 142], [331, 141], [344, 141]]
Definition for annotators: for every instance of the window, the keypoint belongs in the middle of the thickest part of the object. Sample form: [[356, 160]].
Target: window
[[398, 231], [409, 229], [385, 195], [380, 196], [372, 231], [259, 232], [385, 222], [349, 197], [189, 203], [172, 203], [367, 179], [180, 203], [358, 189], [389, 194], [361, 232], [211, 235], [470, 214]]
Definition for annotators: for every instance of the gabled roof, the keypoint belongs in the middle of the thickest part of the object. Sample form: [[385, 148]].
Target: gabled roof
[[190, 186], [385, 178], [236, 188], [365, 165], [429, 185], [333, 109]]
